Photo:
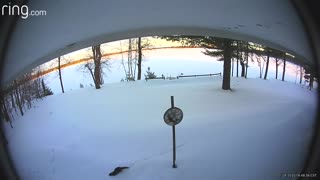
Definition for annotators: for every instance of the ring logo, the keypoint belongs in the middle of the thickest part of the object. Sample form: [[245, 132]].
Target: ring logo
[[22, 11]]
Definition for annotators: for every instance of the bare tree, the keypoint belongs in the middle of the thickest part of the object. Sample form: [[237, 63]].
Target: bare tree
[[130, 65], [301, 74], [237, 58], [278, 62], [142, 43], [122, 60], [96, 65], [4, 110], [96, 51], [232, 64], [246, 59], [20, 95], [284, 66], [267, 66], [259, 61], [60, 75], [89, 66], [139, 58]]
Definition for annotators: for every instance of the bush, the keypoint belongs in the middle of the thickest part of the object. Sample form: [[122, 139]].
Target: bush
[[150, 75]]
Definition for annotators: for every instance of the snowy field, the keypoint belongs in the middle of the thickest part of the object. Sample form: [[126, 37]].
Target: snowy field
[[258, 131]]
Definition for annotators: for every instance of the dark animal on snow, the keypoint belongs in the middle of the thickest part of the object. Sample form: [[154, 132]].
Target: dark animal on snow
[[117, 170]]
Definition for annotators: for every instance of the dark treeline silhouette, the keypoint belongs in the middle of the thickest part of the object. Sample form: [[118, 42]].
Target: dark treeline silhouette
[[19, 95], [229, 50]]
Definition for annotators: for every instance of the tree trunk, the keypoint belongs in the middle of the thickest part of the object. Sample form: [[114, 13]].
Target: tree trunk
[[277, 68], [139, 58], [301, 74], [226, 64], [267, 66], [246, 71], [247, 59], [237, 59], [242, 68], [284, 66], [130, 74], [260, 66], [232, 67], [311, 80], [247, 65], [60, 76], [97, 75], [97, 66]]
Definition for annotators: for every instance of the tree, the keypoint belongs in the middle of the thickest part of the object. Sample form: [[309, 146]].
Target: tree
[[237, 58], [139, 58], [232, 66], [227, 63], [98, 78], [150, 74], [242, 53], [301, 72], [95, 66], [246, 59], [260, 61], [267, 66], [284, 66], [20, 93], [4, 110], [278, 62], [60, 76], [222, 48], [89, 67], [46, 90], [277, 55], [309, 75], [131, 64]]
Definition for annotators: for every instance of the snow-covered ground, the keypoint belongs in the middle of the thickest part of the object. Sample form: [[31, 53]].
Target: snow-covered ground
[[258, 131]]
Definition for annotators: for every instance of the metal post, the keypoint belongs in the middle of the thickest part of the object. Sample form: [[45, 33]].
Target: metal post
[[173, 138], [174, 146]]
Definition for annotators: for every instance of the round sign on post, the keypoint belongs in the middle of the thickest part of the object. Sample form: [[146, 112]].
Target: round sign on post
[[173, 116]]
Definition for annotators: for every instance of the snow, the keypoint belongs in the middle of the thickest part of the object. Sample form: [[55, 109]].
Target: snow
[[258, 130]]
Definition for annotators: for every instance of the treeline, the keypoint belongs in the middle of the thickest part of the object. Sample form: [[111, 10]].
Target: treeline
[[20, 94], [236, 55], [132, 65], [242, 53]]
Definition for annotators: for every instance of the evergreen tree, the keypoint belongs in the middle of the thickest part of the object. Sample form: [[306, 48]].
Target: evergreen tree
[[150, 74]]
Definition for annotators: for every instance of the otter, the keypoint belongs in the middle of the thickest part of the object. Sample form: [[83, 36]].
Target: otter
[[117, 170]]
